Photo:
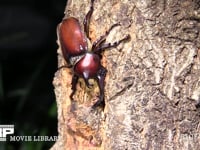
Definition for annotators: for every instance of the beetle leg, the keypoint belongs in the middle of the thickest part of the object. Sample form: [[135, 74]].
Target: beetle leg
[[73, 83], [100, 80], [102, 47], [86, 21], [65, 66], [68, 65], [102, 38]]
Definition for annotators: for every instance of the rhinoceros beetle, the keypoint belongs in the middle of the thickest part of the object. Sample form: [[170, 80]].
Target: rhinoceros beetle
[[85, 63]]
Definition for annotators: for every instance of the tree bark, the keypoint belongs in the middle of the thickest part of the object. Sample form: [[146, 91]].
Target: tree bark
[[153, 81]]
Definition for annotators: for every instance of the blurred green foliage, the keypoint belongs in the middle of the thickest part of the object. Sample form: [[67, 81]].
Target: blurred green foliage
[[28, 61]]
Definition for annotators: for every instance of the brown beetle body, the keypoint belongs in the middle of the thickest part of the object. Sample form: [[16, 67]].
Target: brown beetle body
[[72, 39], [85, 64]]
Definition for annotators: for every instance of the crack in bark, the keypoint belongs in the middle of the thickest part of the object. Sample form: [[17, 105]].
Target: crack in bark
[[123, 90]]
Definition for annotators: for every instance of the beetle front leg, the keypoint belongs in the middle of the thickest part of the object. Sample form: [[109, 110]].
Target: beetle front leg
[[73, 83], [101, 83], [86, 21]]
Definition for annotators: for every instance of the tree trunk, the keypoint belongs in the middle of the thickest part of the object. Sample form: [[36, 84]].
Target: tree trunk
[[152, 85]]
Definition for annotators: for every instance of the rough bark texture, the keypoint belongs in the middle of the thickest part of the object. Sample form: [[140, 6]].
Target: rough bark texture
[[153, 81]]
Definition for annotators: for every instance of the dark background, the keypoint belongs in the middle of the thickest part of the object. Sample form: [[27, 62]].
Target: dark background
[[28, 61]]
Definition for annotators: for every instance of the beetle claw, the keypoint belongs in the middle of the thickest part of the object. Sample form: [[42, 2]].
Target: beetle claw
[[99, 103]]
